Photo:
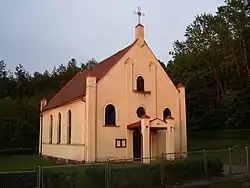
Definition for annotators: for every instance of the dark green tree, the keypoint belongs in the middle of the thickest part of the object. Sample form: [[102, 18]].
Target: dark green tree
[[213, 63]]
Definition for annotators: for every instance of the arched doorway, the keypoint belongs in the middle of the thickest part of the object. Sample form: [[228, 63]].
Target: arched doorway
[[137, 144]]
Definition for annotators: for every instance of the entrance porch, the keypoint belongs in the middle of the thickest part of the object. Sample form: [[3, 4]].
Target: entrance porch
[[148, 139]]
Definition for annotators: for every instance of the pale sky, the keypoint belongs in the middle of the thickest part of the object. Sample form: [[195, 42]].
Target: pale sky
[[40, 34]]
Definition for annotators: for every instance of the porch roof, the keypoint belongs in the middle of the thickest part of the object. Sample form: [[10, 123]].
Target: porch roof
[[137, 125]]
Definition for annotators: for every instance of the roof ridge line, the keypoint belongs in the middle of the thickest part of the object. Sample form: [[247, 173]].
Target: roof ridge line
[[114, 58], [127, 48], [117, 52], [161, 66], [82, 71]]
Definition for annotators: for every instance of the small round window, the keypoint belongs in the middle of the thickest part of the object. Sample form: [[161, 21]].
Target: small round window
[[140, 112]]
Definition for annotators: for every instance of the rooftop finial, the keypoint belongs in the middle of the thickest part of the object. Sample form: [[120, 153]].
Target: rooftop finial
[[139, 14]]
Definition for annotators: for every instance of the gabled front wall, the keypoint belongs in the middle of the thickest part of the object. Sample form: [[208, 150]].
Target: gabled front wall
[[75, 150], [117, 88]]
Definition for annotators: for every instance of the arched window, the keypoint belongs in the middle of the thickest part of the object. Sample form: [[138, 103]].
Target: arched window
[[69, 127], [140, 83], [50, 129], [110, 118], [59, 128], [166, 113], [140, 112]]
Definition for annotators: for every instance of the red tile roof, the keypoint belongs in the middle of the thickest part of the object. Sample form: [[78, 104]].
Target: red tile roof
[[137, 125], [76, 87]]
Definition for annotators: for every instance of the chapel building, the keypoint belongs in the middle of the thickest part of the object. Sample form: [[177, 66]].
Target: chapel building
[[125, 107]]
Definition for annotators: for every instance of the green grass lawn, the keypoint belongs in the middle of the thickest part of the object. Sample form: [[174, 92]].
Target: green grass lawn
[[23, 162], [209, 140], [221, 141]]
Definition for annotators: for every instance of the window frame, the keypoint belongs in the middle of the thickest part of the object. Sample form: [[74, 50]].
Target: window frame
[[163, 113], [105, 115], [59, 128], [69, 127], [142, 82], [137, 111], [119, 143], [51, 130]]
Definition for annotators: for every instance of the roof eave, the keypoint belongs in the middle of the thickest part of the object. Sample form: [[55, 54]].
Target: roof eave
[[83, 98]]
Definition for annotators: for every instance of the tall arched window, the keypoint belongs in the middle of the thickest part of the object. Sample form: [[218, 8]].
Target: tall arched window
[[140, 83], [166, 113], [51, 129], [59, 128], [69, 127], [110, 115]]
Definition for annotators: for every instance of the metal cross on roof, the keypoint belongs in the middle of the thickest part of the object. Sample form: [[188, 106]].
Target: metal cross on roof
[[139, 14]]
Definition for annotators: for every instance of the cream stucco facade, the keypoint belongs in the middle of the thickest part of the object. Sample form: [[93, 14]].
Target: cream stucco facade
[[92, 139]]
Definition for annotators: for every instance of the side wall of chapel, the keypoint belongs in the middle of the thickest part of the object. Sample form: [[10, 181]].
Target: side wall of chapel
[[74, 150]]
